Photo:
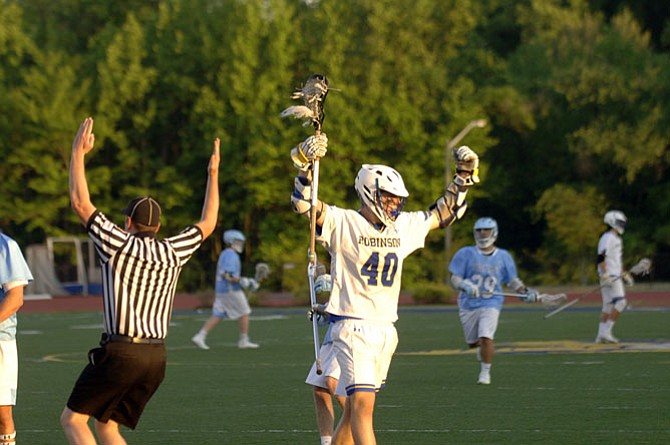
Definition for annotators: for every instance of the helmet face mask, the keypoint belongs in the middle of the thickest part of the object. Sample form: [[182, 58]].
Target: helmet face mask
[[234, 239], [616, 220], [382, 190], [485, 232]]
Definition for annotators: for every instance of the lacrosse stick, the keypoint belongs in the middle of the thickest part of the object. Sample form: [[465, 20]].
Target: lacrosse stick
[[640, 269], [547, 300], [262, 272], [313, 94]]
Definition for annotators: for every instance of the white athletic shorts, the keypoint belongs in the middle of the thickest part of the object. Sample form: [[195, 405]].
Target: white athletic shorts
[[9, 372], [231, 305], [611, 294], [477, 323], [329, 366], [364, 351]]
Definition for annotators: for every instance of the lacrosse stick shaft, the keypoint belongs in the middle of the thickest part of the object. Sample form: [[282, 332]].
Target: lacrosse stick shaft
[[562, 308], [575, 301], [505, 294], [311, 268]]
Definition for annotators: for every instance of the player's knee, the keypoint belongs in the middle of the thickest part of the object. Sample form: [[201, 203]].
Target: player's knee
[[620, 304]]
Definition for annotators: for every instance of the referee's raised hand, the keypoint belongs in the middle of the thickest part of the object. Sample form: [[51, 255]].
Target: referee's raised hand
[[85, 139]]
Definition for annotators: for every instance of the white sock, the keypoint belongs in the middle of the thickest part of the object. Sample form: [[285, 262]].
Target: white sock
[[609, 324], [486, 367], [202, 333], [244, 337], [326, 440], [601, 329]]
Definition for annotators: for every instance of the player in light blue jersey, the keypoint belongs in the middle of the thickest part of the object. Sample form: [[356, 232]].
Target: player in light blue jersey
[[479, 272], [230, 300], [14, 276], [367, 248]]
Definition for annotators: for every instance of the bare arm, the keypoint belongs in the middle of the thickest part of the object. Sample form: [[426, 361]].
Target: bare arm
[[80, 199], [12, 303], [210, 208]]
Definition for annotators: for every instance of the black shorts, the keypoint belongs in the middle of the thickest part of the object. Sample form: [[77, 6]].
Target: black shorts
[[118, 382]]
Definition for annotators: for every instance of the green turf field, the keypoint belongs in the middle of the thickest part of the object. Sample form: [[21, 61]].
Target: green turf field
[[231, 396]]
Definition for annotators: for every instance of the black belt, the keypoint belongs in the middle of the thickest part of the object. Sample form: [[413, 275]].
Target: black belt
[[115, 338]]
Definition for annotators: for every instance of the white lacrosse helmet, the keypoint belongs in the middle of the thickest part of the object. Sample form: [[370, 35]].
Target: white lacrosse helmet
[[371, 180], [234, 239], [616, 220], [484, 242]]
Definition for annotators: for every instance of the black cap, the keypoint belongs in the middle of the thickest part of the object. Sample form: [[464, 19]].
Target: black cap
[[144, 210]]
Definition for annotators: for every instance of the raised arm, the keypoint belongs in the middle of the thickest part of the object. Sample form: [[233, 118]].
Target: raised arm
[[80, 199], [452, 206], [210, 208], [314, 147]]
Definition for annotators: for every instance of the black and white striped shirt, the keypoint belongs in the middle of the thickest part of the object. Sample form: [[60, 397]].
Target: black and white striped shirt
[[139, 276]]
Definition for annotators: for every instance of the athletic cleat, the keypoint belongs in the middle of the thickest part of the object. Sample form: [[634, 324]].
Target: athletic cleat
[[246, 344], [484, 378], [607, 339], [199, 342]]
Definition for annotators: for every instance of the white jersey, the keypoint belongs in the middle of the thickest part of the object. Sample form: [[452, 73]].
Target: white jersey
[[366, 263], [610, 246]]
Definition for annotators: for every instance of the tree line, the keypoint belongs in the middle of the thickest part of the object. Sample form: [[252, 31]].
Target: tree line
[[575, 95]]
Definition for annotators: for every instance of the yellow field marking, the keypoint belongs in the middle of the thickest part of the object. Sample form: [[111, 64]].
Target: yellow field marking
[[557, 347]]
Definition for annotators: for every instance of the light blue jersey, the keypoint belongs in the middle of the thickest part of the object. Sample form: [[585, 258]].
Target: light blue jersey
[[13, 267], [229, 264], [487, 272]]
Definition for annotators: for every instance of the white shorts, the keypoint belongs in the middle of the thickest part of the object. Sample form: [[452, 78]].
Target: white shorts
[[611, 294], [329, 366], [477, 323], [364, 351], [231, 305], [9, 372]]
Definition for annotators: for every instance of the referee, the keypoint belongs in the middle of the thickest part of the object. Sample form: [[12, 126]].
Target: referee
[[139, 275]]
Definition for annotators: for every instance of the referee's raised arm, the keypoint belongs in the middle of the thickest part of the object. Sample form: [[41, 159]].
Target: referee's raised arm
[[210, 208]]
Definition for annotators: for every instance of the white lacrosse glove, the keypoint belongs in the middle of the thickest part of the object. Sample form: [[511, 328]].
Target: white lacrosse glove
[[320, 311], [323, 283], [249, 283], [530, 295], [312, 148], [469, 288], [607, 280], [466, 161], [627, 279]]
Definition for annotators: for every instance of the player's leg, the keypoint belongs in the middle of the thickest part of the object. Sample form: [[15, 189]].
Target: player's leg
[[486, 328], [343, 435], [9, 379], [219, 311], [362, 406], [244, 341], [325, 414], [75, 427], [7, 430], [109, 433]]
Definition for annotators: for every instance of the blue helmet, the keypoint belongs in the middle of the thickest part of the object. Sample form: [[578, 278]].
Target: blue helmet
[[234, 239], [485, 241]]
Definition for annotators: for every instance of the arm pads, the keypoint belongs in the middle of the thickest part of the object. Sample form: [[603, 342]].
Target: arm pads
[[452, 205], [302, 195]]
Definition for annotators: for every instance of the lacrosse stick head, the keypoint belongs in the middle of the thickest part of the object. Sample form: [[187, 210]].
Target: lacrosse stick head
[[262, 272], [642, 267], [552, 301], [313, 95]]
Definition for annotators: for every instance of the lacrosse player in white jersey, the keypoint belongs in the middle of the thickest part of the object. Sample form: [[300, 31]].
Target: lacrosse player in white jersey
[[612, 275], [479, 272], [367, 249]]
